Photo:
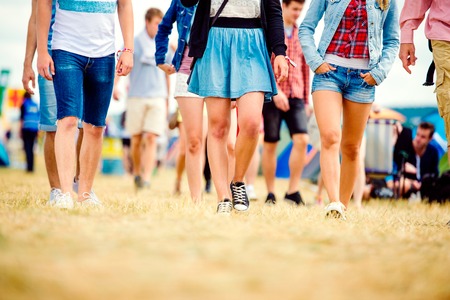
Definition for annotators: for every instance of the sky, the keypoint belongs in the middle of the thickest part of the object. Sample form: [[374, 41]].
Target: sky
[[399, 89]]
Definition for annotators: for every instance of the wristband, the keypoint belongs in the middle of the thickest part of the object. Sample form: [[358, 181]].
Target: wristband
[[289, 60], [124, 50]]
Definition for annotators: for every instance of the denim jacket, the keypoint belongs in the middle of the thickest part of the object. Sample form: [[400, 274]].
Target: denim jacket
[[383, 33], [183, 16]]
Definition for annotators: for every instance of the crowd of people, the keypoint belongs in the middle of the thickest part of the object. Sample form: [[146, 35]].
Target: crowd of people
[[242, 67]]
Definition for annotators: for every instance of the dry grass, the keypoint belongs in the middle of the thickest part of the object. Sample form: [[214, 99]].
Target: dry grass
[[157, 246]]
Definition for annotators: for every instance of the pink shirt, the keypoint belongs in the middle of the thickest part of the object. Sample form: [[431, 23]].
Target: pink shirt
[[437, 26]]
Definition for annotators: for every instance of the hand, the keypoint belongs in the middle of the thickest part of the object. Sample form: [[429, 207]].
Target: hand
[[281, 101], [407, 56], [45, 66], [324, 68], [27, 76], [168, 69], [125, 63], [280, 68], [368, 78]]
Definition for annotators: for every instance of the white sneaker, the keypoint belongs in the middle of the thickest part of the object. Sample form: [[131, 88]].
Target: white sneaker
[[335, 210], [54, 192], [90, 200], [251, 192], [63, 201], [224, 207]]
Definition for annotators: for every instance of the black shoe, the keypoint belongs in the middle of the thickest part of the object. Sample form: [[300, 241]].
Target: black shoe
[[294, 198], [208, 186], [240, 199], [271, 200], [137, 182]]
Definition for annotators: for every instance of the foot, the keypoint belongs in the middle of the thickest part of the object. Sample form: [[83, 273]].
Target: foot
[[137, 182], [224, 207], [294, 198], [240, 199], [251, 192], [271, 199], [335, 210], [54, 192], [63, 201], [90, 200]]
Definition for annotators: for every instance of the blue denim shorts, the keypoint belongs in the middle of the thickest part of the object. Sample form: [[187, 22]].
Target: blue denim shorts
[[347, 82], [47, 105], [83, 86]]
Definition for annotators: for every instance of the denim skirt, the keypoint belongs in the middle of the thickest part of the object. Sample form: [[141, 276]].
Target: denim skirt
[[235, 62]]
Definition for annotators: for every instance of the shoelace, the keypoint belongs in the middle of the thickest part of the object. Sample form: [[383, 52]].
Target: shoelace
[[224, 207], [92, 197], [239, 194]]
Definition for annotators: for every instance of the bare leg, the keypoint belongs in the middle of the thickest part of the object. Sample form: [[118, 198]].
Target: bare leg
[[136, 153], [148, 160], [65, 152], [328, 108], [252, 171], [250, 110], [360, 183], [50, 160], [297, 161], [78, 151], [192, 113], [355, 117], [218, 129], [231, 144], [269, 165], [181, 158], [90, 153]]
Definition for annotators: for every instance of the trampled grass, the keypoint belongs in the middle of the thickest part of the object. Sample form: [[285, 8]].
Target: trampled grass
[[153, 245]]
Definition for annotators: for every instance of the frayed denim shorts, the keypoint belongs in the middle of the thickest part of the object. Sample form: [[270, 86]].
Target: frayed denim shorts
[[83, 86], [347, 82]]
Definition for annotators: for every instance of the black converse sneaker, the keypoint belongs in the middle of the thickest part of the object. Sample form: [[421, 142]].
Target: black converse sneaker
[[224, 207], [294, 198], [240, 199], [271, 199]]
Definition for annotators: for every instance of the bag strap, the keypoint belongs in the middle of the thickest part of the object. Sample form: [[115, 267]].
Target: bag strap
[[219, 11]]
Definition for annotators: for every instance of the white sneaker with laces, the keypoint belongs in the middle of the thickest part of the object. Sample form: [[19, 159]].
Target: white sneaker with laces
[[63, 201], [54, 192], [224, 207], [335, 210], [90, 200]]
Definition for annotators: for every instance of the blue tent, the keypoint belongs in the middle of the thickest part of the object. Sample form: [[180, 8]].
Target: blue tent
[[4, 159]]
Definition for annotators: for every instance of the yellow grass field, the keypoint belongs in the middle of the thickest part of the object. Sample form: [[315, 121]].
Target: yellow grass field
[[156, 246]]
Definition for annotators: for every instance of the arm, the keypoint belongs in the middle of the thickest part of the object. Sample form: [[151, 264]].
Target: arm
[[125, 14], [390, 44], [275, 38], [45, 64], [306, 33], [164, 30], [306, 80], [28, 73], [411, 17]]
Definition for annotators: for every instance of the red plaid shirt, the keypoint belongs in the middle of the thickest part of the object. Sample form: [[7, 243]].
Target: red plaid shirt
[[297, 83], [350, 38]]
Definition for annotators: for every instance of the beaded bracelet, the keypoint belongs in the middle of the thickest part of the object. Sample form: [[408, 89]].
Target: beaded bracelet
[[291, 61], [124, 50]]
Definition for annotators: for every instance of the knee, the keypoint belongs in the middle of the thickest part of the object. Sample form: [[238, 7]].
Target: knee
[[250, 128], [300, 140], [194, 145], [350, 151], [219, 129], [330, 138], [68, 123], [93, 131]]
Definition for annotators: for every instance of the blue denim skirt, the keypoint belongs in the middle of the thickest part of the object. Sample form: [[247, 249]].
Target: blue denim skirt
[[235, 62]]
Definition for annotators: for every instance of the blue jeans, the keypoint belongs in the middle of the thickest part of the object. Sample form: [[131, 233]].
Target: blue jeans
[[347, 82], [83, 86]]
